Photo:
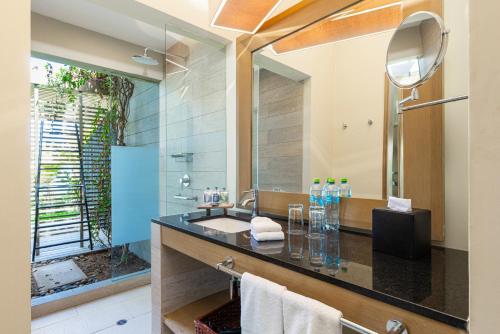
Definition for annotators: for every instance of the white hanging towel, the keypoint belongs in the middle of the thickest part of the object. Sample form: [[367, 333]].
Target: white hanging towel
[[303, 315], [261, 306]]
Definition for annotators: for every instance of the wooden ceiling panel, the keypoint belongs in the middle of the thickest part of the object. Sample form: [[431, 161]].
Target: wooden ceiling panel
[[367, 17], [243, 15]]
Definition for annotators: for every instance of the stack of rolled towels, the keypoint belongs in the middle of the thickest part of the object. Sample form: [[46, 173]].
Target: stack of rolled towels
[[264, 229]]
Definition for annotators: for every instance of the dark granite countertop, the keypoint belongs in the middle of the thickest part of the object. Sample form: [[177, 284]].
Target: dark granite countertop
[[435, 287]]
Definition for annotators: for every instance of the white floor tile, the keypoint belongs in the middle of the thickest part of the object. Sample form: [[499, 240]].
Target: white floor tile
[[101, 316], [53, 318], [73, 325], [139, 325], [138, 306]]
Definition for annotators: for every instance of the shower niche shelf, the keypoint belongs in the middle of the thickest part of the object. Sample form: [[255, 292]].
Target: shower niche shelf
[[182, 157]]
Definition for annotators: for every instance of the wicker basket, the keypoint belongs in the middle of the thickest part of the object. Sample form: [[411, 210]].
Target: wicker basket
[[224, 320]]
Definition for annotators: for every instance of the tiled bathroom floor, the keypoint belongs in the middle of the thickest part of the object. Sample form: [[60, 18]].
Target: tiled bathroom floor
[[101, 316]]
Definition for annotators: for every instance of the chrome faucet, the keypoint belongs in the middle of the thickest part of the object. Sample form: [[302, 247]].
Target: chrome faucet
[[253, 198]]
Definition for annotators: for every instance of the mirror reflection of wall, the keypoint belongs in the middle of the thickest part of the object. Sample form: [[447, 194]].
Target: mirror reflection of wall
[[301, 130]]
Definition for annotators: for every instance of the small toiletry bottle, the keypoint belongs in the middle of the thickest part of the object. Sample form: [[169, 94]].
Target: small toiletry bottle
[[216, 196], [345, 188], [207, 196], [224, 196]]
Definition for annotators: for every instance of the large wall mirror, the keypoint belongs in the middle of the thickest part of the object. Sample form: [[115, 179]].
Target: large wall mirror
[[323, 106]]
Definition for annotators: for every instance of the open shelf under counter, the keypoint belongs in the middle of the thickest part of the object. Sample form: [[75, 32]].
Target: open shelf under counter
[[182, 320]]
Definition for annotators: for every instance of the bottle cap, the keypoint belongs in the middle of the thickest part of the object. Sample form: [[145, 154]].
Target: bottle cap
[[330, 180], [316, 180], [343, 180]]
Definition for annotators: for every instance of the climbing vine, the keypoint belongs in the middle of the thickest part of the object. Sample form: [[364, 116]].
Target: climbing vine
[[108, 128]]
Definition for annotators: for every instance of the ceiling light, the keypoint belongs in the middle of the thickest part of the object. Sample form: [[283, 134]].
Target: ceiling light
[[245, 16]]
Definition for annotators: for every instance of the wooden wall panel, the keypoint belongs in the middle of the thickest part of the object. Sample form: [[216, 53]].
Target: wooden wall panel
[[423, 141], [354, 212]]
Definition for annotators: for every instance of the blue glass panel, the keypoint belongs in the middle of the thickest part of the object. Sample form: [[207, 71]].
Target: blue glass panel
[[134, 192]]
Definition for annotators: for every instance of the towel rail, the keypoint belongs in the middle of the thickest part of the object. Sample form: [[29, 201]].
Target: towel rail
[[392, 326]]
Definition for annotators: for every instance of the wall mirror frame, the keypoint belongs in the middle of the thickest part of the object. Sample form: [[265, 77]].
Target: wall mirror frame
[[423, 158]]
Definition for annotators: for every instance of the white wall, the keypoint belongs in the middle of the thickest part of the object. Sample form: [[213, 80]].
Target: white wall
[[358, 88], [15, 306], [55, 38], [484, 164], [456, 72]]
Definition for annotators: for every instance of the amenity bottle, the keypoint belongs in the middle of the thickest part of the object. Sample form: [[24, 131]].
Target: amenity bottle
[[224, 196], [331, 201], [345, 188], [207, 196], [315, 193], [216, 196]]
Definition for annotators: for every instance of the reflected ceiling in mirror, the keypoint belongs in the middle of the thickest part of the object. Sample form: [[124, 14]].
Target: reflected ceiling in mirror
[[367, 17]]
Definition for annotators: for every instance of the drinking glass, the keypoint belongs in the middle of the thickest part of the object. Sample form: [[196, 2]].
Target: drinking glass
[[316, 227], [332, 251], [296, 231], [317, 251]]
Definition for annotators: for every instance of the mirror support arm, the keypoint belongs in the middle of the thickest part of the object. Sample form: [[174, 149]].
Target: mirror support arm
[[430, 103], [413, 97]]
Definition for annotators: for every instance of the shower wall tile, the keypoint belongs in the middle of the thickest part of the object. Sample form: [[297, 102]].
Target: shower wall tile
[[194, 121], [143, 122], [280, 133]]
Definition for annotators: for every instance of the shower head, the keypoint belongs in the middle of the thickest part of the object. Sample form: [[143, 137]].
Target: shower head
[[145, 59]]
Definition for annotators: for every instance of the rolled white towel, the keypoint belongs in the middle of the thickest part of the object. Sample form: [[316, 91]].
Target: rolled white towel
[[264, 224], [268, 236]]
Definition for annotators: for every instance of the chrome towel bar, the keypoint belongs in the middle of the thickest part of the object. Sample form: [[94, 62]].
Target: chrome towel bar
[[392, 326]]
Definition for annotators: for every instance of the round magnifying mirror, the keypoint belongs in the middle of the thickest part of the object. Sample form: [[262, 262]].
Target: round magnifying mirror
[[416, 49]]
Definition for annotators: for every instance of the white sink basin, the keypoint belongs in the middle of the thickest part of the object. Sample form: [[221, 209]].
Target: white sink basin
[[226, 225]]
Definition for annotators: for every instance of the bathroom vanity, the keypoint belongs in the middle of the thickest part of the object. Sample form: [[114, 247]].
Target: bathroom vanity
[[429, 295], [315, 101]]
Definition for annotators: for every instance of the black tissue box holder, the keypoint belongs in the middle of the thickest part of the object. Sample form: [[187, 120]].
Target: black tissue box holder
[[403, 234]]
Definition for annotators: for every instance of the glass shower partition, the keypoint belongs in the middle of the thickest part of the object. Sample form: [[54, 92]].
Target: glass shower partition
[[193, 123]]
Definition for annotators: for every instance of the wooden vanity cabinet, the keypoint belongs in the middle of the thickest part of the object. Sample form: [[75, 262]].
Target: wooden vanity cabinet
[[185, 286]]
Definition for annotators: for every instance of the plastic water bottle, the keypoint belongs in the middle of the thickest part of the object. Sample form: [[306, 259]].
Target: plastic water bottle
[[315, 193], [345, 188], [331, 201]]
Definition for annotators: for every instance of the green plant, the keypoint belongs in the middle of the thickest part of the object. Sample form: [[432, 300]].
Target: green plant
[[108, 127]]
